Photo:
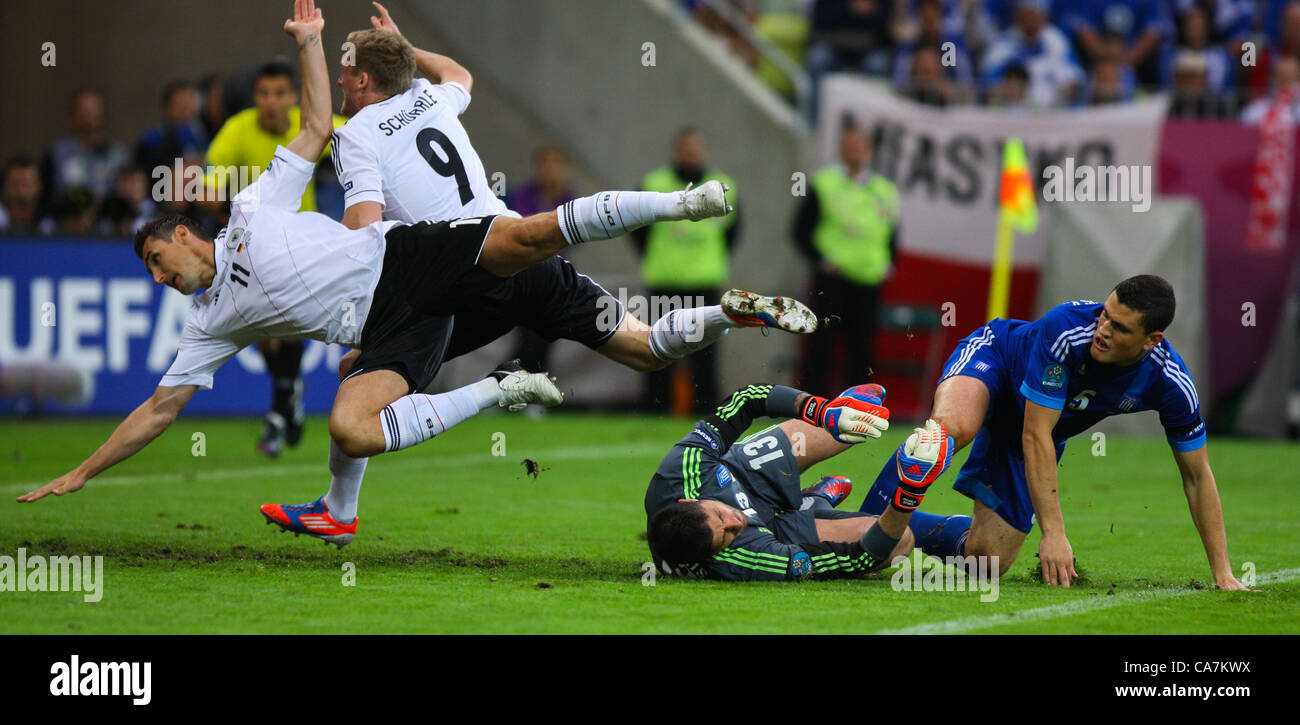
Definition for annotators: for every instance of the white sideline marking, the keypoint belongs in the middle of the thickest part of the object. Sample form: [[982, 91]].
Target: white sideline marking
[[1080, 606], [574, 453]]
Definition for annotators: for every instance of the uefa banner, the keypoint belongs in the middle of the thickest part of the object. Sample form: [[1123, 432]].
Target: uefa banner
[[85, 311], [946, 161]]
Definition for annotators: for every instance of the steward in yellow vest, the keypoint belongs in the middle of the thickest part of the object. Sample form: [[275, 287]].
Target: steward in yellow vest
[[847, 228], [688, 262]]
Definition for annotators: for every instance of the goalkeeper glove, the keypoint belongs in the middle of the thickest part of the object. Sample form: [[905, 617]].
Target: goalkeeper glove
[[851, 417], [922, 457]]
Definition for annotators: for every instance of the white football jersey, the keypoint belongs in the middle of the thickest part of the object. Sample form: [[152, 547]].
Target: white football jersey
[[280, 274], [410, 153]]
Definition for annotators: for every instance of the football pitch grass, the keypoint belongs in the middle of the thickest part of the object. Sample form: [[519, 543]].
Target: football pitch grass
[[454, 539]]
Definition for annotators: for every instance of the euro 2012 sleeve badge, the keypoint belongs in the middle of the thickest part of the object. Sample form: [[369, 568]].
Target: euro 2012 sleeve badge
[[800, 565], [1053, 377]]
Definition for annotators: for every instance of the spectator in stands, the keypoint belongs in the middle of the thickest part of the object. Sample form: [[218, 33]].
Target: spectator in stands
[[1011, 91], [549, 186], [128, 207], [548, 189], [1230, 20], [20, 199], [953, 62], [1142, 26], [1194, 37], [928, 83], [681, 261], [847, 228], [849, 35], [180, 133], [80, 167], [1042, 50], [1109, 81], [1286, 74], [1191, 96], [214, 112], [1285, 36]]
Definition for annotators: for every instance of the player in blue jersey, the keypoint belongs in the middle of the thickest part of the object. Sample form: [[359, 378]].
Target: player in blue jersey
[[1018, 390]]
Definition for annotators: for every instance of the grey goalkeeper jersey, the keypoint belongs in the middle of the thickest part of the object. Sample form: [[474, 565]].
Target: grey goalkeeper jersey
[[758, 475]]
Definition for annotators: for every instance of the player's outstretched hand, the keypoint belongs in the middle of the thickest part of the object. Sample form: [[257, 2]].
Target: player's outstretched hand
[[1056, 557], [307, 20], [67, 483], [384, 22]]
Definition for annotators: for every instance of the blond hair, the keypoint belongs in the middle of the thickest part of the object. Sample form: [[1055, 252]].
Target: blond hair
[[386, 57]]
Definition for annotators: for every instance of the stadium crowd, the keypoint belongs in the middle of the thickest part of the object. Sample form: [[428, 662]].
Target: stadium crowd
[[1219, 59], [87, 183]]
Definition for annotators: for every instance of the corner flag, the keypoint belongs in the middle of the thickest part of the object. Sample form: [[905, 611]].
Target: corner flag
[[1017, 209]]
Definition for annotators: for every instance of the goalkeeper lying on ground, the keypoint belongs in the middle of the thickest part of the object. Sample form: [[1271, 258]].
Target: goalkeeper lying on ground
[[737, 513]]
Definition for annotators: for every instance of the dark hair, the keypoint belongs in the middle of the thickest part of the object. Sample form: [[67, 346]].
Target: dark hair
[[21, 161], [275, 68], [685, 131], [1152, 297], [174, 87], [680, 534], [162, 228]]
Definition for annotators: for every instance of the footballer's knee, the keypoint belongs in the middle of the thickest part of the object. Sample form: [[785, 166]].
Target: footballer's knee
[[1006, 556], [348, 431]]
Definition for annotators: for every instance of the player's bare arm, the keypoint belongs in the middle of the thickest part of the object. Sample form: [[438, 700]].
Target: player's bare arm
[[145, 423], [1054, 552], [438, 68], [363, 214], [1207, 514], [317, 121]]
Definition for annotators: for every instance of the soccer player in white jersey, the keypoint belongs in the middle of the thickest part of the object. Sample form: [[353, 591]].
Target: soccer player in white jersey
[[404, 155], [388, 288]]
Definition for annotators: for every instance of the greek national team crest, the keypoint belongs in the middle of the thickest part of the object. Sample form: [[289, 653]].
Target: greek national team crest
[[800, 565], [724, 476], [1053, 377]]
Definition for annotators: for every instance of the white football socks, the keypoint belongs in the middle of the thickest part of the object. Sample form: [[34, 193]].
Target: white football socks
[[610, 214], [345, 484], [682, 332], [416, 418]]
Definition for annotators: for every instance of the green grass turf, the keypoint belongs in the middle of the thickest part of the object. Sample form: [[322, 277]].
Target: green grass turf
[[456, 540]]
